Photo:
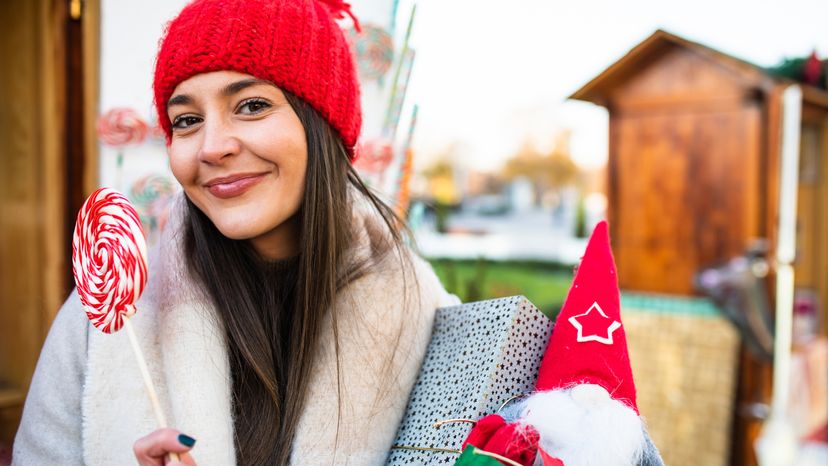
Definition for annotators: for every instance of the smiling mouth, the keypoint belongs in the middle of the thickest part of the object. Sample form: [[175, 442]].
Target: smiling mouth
[[233, 186]]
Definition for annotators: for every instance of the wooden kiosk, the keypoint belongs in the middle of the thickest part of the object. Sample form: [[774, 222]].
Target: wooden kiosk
[[694, 161]]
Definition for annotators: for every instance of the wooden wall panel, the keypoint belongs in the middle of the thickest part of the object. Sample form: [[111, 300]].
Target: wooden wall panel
[[821, 228], [679, 79], [34, 182], [686, 193], [808, 244], [91, 30], [30, 188], [811, 265]]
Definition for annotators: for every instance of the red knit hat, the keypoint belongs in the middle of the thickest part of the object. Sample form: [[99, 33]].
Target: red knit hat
[[296, 44], [588, 344]]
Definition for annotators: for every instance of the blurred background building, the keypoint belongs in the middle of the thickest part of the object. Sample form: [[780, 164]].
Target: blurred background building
[[503, 134]]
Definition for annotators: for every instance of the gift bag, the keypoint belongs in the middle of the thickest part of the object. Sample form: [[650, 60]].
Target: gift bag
[[481, 356]]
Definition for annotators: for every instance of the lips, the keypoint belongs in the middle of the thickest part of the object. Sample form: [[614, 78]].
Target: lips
[[233, 185]]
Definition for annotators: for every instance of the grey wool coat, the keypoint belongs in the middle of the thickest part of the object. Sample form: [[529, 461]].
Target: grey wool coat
[[87, 403]]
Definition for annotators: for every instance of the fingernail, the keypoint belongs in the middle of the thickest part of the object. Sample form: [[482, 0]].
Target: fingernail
[[186, 440]]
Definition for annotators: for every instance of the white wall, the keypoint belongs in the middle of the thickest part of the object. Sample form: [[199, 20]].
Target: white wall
[[129, 36]]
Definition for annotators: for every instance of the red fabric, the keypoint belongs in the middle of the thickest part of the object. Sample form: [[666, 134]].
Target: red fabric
[[518, 442], [483, 431], [549, 460], [296, 44], [567, 361]]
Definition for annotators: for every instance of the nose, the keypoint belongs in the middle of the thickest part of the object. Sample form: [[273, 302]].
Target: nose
[[218, 143]]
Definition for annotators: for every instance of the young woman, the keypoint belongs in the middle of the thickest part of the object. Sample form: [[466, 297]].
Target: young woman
[[284, 320]]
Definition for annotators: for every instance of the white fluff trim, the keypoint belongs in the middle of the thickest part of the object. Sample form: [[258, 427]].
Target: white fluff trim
[[584, 426]]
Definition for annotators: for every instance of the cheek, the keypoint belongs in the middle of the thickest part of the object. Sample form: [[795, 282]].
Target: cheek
[[299, 178], [182, 168], [288, 153]]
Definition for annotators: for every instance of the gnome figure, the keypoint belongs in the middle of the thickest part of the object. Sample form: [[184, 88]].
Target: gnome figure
[[583, 412]]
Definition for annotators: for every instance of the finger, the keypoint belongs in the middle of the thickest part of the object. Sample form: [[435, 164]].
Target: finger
[[150, 450], [187, 459], [184, 460]]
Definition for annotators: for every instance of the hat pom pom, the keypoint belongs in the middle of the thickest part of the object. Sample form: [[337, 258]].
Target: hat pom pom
[[339, 9]]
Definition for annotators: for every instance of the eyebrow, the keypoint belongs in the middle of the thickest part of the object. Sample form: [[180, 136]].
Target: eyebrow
[[227, 91]]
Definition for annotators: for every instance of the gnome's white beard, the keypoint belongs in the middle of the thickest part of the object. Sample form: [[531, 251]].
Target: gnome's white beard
[[583, 426]]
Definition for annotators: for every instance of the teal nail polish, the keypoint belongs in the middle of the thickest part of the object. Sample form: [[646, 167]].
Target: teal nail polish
[[186, 440]]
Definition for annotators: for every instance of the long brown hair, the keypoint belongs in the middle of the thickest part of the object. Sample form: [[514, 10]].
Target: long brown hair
[[272, 340]]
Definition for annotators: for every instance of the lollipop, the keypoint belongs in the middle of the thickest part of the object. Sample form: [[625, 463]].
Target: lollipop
[[109, 259], [118, 128], [122, 126], [374, 156], [152, 194], [374, 50]]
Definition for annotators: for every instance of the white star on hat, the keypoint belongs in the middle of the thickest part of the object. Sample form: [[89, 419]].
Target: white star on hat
[[615, 325]]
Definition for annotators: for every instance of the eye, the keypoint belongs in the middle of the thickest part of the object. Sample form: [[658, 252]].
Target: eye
[[253, 106], [185, 121]]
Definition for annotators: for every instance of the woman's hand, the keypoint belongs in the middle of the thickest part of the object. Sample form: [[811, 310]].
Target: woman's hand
[[155, 448]]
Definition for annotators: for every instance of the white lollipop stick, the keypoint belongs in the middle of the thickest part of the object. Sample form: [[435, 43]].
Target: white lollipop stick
[[142, 365]]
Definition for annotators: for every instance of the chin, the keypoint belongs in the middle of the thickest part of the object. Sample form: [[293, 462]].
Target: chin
[[238, 234], [252, 219], [238, 230]]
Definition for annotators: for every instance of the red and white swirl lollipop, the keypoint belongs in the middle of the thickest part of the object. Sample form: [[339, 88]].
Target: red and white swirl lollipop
[[109, 259], [120, 126]]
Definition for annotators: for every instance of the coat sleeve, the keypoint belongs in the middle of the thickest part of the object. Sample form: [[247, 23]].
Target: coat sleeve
[[50, 430]]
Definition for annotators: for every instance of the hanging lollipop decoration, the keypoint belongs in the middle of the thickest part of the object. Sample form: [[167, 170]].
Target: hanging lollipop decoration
[[373, 158], [374, 50], [120, 127], [109, 261], [152, 194]]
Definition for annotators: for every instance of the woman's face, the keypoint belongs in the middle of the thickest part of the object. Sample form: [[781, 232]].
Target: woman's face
[[239, 151]]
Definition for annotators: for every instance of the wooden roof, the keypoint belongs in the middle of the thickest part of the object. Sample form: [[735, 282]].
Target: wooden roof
[[662, 42]]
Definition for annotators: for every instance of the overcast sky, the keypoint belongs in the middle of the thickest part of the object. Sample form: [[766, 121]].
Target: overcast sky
[[490, 74]]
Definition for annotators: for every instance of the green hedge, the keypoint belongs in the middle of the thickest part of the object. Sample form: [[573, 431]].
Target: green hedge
[[545, 284]]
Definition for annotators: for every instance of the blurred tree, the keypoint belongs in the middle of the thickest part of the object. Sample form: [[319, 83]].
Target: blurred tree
[[547, 172], [442, 187]]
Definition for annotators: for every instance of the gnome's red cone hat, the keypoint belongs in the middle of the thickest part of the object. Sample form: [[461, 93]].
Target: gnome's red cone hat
[[588, 344]]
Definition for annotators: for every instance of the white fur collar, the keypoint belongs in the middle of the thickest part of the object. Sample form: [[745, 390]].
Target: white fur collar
[[382, 342]]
